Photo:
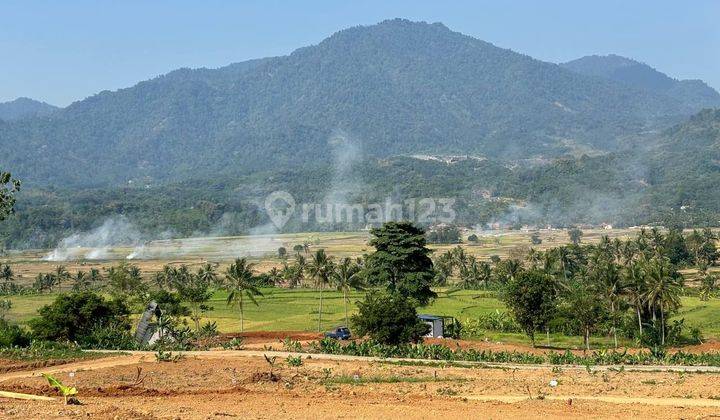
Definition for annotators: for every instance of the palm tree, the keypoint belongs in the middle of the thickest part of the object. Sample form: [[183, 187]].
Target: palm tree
[[94, 276], [239, 284], [460, 257], [475, 273], [534, 257], [634, 278], [657, 240], [208, 274], [301, 264], [82, 281], [663, 291], [275, 276], [345, 277], [292, 275], [320, 268], [61, 274], [607, 275]]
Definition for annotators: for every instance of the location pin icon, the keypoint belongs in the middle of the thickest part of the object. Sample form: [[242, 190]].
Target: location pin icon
[[280, 206]]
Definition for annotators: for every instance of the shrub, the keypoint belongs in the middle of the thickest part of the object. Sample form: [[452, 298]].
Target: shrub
[[73, 316], [530, 298], [170, 302], [13, 335], [113, 335], [389, 318]]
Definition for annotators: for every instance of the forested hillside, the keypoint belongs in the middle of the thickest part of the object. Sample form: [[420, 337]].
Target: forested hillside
[[24, 108], [395, 87], [676, 182], [693, 93]]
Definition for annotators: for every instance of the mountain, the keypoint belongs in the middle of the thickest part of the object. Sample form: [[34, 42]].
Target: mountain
[[394, 88], [694, 93], [24, 108], [674, 181]]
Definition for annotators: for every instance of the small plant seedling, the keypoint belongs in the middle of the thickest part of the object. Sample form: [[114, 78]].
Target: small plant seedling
[[292, 345], [167, 356], [326, 373], [446, 391], [68, 392], [295, 361], [234, 344]]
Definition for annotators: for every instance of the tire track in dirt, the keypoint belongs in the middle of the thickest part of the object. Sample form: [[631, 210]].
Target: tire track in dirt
[[673, 402], [93, 364], [135, 357]]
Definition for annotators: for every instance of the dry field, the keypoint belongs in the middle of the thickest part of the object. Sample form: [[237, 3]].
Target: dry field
[[226, 384], [262, 250]]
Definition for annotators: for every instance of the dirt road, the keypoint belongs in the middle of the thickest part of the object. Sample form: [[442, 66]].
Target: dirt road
[[224, 384]]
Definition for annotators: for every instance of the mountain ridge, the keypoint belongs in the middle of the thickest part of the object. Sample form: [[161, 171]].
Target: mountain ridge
[[395, 87], [23, 107], [640, 75]]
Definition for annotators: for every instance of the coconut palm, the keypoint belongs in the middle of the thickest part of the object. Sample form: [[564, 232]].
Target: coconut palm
[[275, 276], [474, 274], [62, 274], [663, 289], [460, 257], [346, 277], [240, 285], [320, 268], [301, 264], [208, 274], [292, 275], [82, 281], [606, 274], [636, 287]]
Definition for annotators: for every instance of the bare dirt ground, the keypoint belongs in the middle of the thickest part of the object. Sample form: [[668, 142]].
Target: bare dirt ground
[[225, 384]]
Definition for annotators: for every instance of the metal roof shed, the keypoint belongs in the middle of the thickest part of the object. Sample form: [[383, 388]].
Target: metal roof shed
[[437, 325]]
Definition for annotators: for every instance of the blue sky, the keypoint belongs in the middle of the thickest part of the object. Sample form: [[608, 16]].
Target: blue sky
[[63, 51]]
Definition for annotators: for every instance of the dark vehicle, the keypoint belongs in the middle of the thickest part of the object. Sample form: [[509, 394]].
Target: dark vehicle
[[339, 333]]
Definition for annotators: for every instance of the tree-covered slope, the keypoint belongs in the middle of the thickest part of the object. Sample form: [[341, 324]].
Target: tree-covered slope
[[675, 181], [693, 94], [24, 108], [395, 87]]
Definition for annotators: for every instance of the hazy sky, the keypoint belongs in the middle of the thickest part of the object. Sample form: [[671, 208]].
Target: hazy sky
[[63, 51]]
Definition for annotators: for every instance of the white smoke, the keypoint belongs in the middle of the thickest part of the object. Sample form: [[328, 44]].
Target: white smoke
[[346, 152], [96, 244]]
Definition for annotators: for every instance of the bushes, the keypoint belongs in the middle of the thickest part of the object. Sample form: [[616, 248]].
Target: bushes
[[493, 321], [389, 318], [114, 335], [13, 335], [75, 317], [372, 348]]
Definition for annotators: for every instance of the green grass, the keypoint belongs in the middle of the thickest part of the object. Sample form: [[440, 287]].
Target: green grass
[[703, 315], [290, 309], [296, 310], [24, 307]]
